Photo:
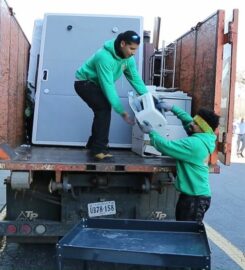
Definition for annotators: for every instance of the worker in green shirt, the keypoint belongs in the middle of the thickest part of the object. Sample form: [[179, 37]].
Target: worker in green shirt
[[95, 84], [192, 156]]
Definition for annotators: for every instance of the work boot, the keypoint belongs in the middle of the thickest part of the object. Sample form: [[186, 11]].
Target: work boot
[[99, 156], [103, 156]]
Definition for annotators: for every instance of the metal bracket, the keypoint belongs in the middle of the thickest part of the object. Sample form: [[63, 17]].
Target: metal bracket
[[230, 36], [20, 180]]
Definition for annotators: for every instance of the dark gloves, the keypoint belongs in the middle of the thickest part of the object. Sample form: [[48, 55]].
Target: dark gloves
[[146, 127], [164, 105]]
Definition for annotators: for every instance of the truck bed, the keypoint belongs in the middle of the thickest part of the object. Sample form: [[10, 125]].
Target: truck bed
[[48, 158]]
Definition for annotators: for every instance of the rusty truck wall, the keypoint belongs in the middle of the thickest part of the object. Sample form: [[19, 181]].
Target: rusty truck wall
[[197, 69], [14, 54], [196, 62], [200, 65]]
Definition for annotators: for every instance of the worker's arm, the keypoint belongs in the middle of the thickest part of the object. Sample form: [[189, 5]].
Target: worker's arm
[[134, 78], [181, 149], [184, 117]]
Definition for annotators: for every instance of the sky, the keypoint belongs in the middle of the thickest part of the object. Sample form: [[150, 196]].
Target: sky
[[177, 16]]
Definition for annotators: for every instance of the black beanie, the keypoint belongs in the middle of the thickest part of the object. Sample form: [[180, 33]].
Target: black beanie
[[210, 117], [129, 37]]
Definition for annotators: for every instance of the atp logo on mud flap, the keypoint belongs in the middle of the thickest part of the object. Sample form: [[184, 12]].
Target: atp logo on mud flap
[[158, 215], [27, 216]]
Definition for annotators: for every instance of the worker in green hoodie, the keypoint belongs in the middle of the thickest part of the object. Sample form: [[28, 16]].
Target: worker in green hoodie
[[192, 156], [95, 84]]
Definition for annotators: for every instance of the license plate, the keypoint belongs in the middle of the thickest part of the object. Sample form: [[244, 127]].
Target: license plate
[[101, 209]]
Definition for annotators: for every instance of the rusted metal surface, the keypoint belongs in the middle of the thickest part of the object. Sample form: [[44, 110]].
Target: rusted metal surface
[[14, 53], [60, 159], [4, 54], [66, 159], [196, 62], [205, 68], [151, 169], [228, 87], [148, 53], [199, 71], [12, 86], [90, 167], [57, 176], [218, 77], [186, 70]]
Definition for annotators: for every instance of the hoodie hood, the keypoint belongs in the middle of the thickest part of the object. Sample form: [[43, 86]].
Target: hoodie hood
[[109, 46], [208, 140]]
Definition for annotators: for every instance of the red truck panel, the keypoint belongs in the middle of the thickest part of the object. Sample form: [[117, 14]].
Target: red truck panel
[[14, 53], [200, 65]]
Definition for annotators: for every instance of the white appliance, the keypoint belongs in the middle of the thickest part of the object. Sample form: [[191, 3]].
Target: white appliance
[[166, 124]]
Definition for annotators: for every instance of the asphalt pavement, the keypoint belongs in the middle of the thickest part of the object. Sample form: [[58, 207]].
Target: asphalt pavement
[[227, 216]]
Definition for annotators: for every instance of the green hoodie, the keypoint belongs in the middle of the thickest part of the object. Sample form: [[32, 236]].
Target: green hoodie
[[191, 154], [105, 67]]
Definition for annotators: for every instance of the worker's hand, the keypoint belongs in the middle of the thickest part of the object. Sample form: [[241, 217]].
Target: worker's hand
[[146, 127], [164, 105], [127, 118]]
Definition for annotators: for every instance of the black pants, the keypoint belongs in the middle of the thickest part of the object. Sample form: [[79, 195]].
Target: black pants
[[94, 97], [191, 208]]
